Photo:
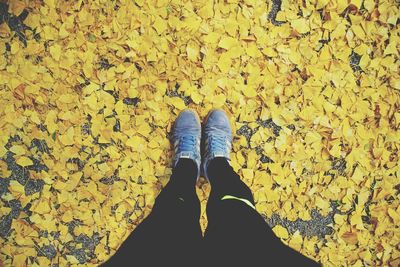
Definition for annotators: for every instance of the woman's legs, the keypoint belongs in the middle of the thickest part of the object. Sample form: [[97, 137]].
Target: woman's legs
[[171, 234], [236, 232]]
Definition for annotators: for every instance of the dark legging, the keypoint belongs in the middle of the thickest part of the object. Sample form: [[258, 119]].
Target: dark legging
[[236, 233]]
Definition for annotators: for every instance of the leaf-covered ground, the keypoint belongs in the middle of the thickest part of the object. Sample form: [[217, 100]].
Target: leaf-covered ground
[[89, 91]]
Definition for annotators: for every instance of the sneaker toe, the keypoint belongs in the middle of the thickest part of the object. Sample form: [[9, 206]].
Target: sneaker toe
[[188, 120], [218, 119]]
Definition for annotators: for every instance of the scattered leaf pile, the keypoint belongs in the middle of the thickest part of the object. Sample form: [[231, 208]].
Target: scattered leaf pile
[[89, 91]]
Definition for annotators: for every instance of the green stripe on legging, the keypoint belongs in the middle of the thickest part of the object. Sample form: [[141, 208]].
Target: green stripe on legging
[[246, 201]]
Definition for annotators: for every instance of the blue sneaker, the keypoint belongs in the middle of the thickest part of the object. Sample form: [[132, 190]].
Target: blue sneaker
[[217, 137], [186, 138]]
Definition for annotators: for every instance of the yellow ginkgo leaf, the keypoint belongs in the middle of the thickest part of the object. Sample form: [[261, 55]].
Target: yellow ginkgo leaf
[[248, 91], [227, 42], [300, 25], [19, 260], [192, 51], [18, 150], [24, 161], [160, 25], [280, 231], [219, 100], [68, 137], [394, 215], [55, 52], [42, 207], [178, 103]]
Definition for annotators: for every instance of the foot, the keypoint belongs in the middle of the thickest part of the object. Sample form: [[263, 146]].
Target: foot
[[217, 137], [186, 138]]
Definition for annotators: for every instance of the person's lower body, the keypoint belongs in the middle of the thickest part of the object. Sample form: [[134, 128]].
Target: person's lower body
[[171, 233], [237, 234]]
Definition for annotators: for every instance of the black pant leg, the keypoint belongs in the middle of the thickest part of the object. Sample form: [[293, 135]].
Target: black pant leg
[[171, 234], [237, 234]]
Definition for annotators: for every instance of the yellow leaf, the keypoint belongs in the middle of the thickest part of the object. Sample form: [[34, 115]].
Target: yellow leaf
[[73, 181], [356, 220], [63, 32], [18, 150], [19, 260], [132, 92], [136, 143], [42, 207], [248, 91], [394, 215], [207, 11], [391, 48], [369, 5], [281, 142], [16, 188], [196, 97], [120, 212], [155, 154], [281, 231], [15, 47], [227, 42], [66, 98], [68, 137], [178, 103], [192, 51], [350, 238], [335, 150], [357, 3], [144, 129], [67, 216], [253, 51], [72, 259], [160, 25], [346, 129], [224, 62], [3, 151], [321, 3], [55, 51], [358, 31], [340, 219], [323, 204], [248, 174], [91, 101], [16, 7], [218, 100], [24, 161], [301, 25], [358, 175], [325, 54], [295, 57], [296, 241], [329, 107], [212, 38]]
